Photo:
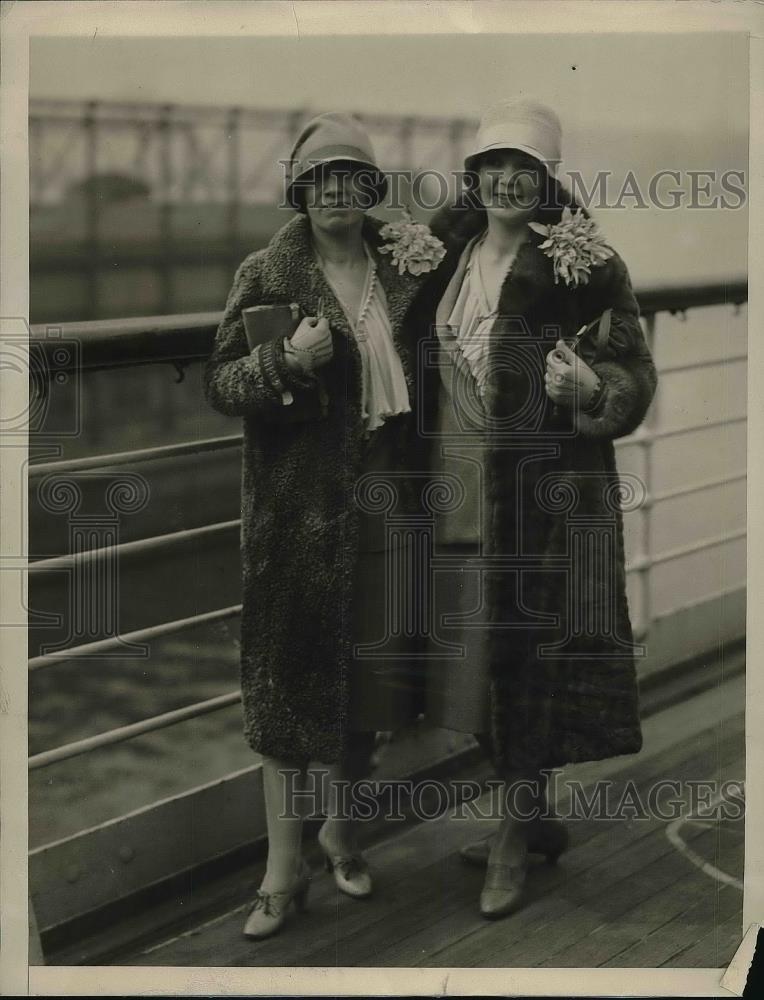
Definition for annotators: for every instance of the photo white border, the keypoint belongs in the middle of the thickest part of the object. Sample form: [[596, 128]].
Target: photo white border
[[306, 17]]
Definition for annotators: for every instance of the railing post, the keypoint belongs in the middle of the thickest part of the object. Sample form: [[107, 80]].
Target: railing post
[[234, 184], [645, 438], [167, 401], [92, 209], [165, 208], [92, 226], [36, 956], [36, 168]]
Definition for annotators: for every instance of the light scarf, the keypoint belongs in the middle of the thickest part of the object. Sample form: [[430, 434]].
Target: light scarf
[[384, 390], [472, 315]]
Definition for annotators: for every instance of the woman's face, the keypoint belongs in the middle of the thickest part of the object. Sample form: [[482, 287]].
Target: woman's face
[[336, 201], [510, 184]]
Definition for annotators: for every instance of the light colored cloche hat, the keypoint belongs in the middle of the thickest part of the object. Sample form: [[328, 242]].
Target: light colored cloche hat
[[328, 138], [524, 124]]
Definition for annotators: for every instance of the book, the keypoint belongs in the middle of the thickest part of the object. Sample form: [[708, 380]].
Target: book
[[272, 322], [265, 323]]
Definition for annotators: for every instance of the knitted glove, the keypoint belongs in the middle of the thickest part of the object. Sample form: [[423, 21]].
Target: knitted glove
[[310, 346]]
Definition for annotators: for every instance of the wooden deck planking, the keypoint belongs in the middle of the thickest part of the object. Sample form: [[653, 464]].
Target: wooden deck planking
[[550, 918], [439, 890], [687, 893], [579, 905], [588, 849], [666, 940], [427, 914], [667, 736], [553, 894], [397, 861], [692, 921], [373, 939], [715, 949], [624, 925]]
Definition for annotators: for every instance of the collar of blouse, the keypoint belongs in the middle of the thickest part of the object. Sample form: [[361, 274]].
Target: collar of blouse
[[298, 270]]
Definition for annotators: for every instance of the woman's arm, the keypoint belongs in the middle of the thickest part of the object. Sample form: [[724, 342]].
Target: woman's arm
[[628, 381], [237, 382]]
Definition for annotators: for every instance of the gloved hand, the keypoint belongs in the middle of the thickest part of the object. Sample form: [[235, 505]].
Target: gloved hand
[[310, 346], [568, 378]]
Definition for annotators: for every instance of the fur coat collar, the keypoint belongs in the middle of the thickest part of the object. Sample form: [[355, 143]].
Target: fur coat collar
[[529, 291], [289, 263]]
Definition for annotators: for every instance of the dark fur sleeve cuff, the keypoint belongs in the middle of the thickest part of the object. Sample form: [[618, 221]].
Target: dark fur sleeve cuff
[[615, 410]]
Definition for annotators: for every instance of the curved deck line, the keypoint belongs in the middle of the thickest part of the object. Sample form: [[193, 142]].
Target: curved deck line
[[674, 836]]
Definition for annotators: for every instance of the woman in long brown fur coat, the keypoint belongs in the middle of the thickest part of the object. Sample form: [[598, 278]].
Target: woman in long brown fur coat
[[321, 410], [520, 427]]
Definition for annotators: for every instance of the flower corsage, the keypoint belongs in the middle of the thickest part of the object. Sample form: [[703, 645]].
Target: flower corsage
[[412, 245], [575, 246]]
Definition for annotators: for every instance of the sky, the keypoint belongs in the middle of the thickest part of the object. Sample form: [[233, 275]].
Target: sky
[[641, 102], [694, 82]]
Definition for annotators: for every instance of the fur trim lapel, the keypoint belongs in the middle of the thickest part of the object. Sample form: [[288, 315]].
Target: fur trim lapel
[[291, 270], [531, 278], [290, 264]]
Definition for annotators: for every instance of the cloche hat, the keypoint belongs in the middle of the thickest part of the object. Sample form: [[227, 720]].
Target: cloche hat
[[524, 124], [328, 138]]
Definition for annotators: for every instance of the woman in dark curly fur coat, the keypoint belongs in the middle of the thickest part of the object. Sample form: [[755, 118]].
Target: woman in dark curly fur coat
[[321, 409], [529, 412]]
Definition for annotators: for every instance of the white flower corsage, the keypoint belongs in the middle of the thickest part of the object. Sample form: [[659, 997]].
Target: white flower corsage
[[412, 245], [575, 246]]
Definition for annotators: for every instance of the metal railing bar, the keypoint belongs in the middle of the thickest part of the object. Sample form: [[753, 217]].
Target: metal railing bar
[[140, 545], [185, 338], [680, 298], [708, 484], [92, 650], [513, 563], [119, 113], [129, 732], [112, 329], [707, 425], [642, 436], [234, 440], [644, 566], [201, 708], [688, 550], [134, 341], [166, 719], [139, 455], [695, 365]]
